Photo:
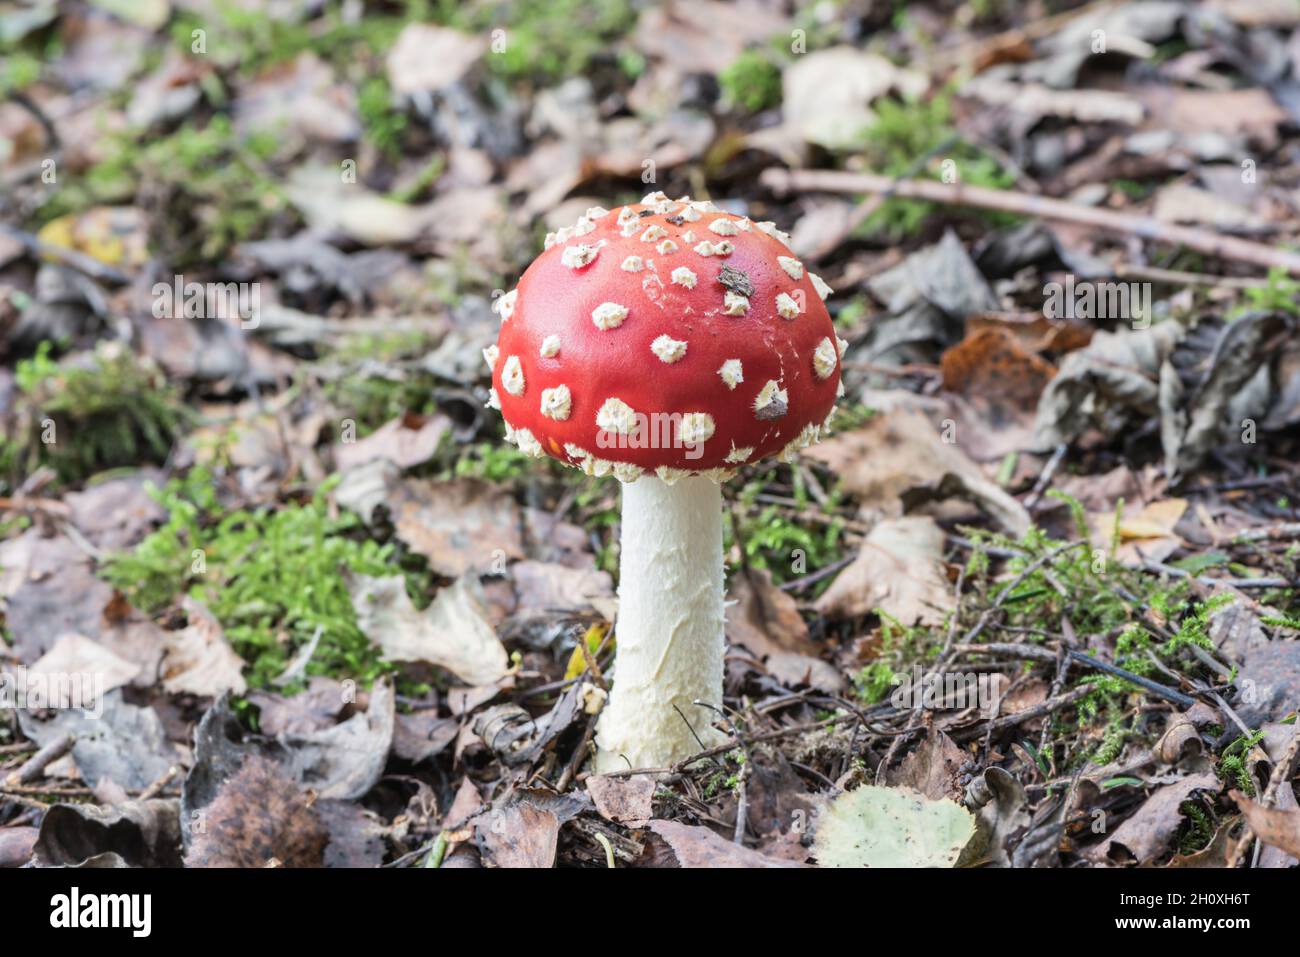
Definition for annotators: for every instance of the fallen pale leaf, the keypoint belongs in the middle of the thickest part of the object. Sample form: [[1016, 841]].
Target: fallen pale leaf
[[452, 633], [898, 571], [892, 827]]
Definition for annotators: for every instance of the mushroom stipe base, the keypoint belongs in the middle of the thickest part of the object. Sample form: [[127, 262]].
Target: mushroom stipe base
[[670, 626]]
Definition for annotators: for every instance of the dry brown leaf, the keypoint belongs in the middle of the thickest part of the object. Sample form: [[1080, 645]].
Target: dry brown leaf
[[1032, 99], [1257, 13], [556, 589], [704, 36], [1146, 534], [198, 659], [900, 450], [1034, 331], [794, 670], [427, 58], [519, 835], [1275, 826], [333, 207], [701, 847], [1251, 112], [458, 525], [1271, 856], [933, 768], [50, 591], [765, 619], [1000, 381], [1154, 520], [298, 99], [77, 655], [1182, 203], [899, 571], [627, 800], [990, 364], [314, 709], [405, 441], [1146, 835], [117, 513], [827, 94], [16, 844]]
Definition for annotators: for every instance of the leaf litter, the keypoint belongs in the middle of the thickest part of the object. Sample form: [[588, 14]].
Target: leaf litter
[[1099, 510]]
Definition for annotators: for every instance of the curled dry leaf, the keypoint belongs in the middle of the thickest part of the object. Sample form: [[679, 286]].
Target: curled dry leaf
[[1117, 375], [1002, 815], [140, 833], [1147, 834], [1275, 826], [1180, 740]]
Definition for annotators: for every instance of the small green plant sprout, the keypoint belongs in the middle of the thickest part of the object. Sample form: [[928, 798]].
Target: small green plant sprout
[[1280, 293], [916, 137], [751, 82], [89, 412]]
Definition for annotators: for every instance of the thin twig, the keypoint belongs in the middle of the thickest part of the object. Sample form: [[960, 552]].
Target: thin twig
[[35, 765], [1159, 690], [1285, 530], [1042, 207], [1037, 711], [1045, 479]]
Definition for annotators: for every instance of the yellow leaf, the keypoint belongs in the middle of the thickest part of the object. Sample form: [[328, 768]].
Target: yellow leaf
[[1156, 520], [114, 235], [592, 639]]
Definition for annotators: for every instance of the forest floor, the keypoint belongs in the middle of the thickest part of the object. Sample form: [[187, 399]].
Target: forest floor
[[1035, 600]]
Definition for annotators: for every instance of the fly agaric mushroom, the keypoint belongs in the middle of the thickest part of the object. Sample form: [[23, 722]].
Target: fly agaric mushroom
[[666, 343]]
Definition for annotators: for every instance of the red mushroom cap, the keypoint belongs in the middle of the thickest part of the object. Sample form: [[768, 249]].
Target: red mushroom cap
[[665, 336]]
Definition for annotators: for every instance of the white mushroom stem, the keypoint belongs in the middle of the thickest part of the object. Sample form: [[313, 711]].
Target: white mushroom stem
[[670, 626]]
